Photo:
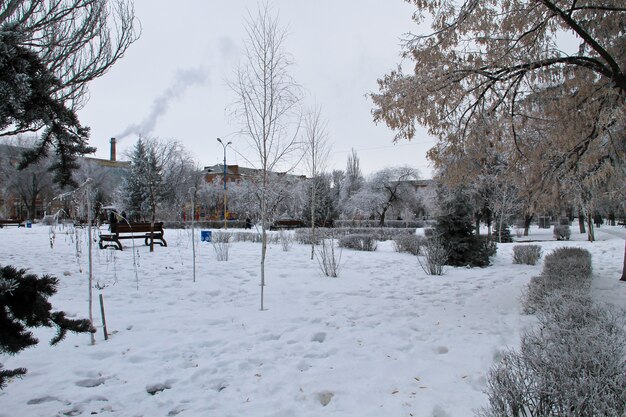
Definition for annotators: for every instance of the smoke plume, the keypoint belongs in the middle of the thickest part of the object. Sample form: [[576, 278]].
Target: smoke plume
[[182, 81]]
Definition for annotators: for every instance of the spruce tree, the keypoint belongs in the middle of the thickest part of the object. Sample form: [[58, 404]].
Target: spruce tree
[[455, 226], [152, 183], [24, 305], [133, 183]]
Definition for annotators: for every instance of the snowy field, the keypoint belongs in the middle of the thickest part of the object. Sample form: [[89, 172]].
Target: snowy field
[[383, 339]]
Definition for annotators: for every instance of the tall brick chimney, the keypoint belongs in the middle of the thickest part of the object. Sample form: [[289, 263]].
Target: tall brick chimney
[[112, 149]]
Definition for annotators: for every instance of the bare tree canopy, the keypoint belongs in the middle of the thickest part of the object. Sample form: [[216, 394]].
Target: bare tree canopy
[[543, 82], [49, 52], [76, 40], [510, 60]]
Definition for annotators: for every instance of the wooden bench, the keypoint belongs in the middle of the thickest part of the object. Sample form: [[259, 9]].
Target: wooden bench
[[11, 222], [123, 230], [286, 224]]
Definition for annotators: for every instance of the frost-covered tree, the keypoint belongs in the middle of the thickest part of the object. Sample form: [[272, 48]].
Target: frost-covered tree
[[385, 189], [25, 306], [180, 172], [353, 179], [267, 106]]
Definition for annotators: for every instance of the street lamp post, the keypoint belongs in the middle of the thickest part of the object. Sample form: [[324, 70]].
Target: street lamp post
[[225, 190]]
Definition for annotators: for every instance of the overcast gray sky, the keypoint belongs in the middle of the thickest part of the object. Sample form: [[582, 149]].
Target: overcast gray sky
[[172, 82]]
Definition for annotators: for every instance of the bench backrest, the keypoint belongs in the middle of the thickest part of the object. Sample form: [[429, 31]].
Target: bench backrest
[[123, 227]]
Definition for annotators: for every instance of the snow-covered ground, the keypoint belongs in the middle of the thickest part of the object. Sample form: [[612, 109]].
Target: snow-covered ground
[[383, 339]]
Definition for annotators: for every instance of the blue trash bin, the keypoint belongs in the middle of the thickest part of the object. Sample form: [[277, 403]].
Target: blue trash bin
[[205, 235], [29, 225]]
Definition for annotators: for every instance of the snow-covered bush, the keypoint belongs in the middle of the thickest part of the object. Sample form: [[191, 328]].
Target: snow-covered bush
[[378, 233], [561, 232], [435, 256], [358, 242], [571, 365], [526, 254], [408, 243], [286, 240], [304, 236], [272, 238], [221, 245], [328, 259], [565, 269], [572, 262], [411, 224]]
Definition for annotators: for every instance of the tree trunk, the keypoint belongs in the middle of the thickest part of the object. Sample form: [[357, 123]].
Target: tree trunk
[[313, 189], [477, 225], [624, 267], [263, 241], [528, 218], [382, 218], [590, 233], [581, 222]]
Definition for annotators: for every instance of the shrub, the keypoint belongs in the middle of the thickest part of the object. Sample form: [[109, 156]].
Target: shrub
[[435, 256], [304, 236], [562, 232], [565, 269], [286, 240], [221, 245], [572, 365], [272, 238], [327, 258], [358, 242], [570, 262], [526, 254], [411, 224], [408, 243]]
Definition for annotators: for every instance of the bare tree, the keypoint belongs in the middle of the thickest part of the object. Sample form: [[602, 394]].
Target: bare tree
[[77, 40], [316, 157], [29, 185], [385, 189], [267, 105], [49, 52]]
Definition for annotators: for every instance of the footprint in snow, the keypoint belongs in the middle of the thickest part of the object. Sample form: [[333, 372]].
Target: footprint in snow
[[324, 397], [154, 389], [90, 382], [441, 350], [319, 337]]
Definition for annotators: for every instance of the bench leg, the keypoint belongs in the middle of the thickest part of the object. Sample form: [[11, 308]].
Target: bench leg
[[157, 240]]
